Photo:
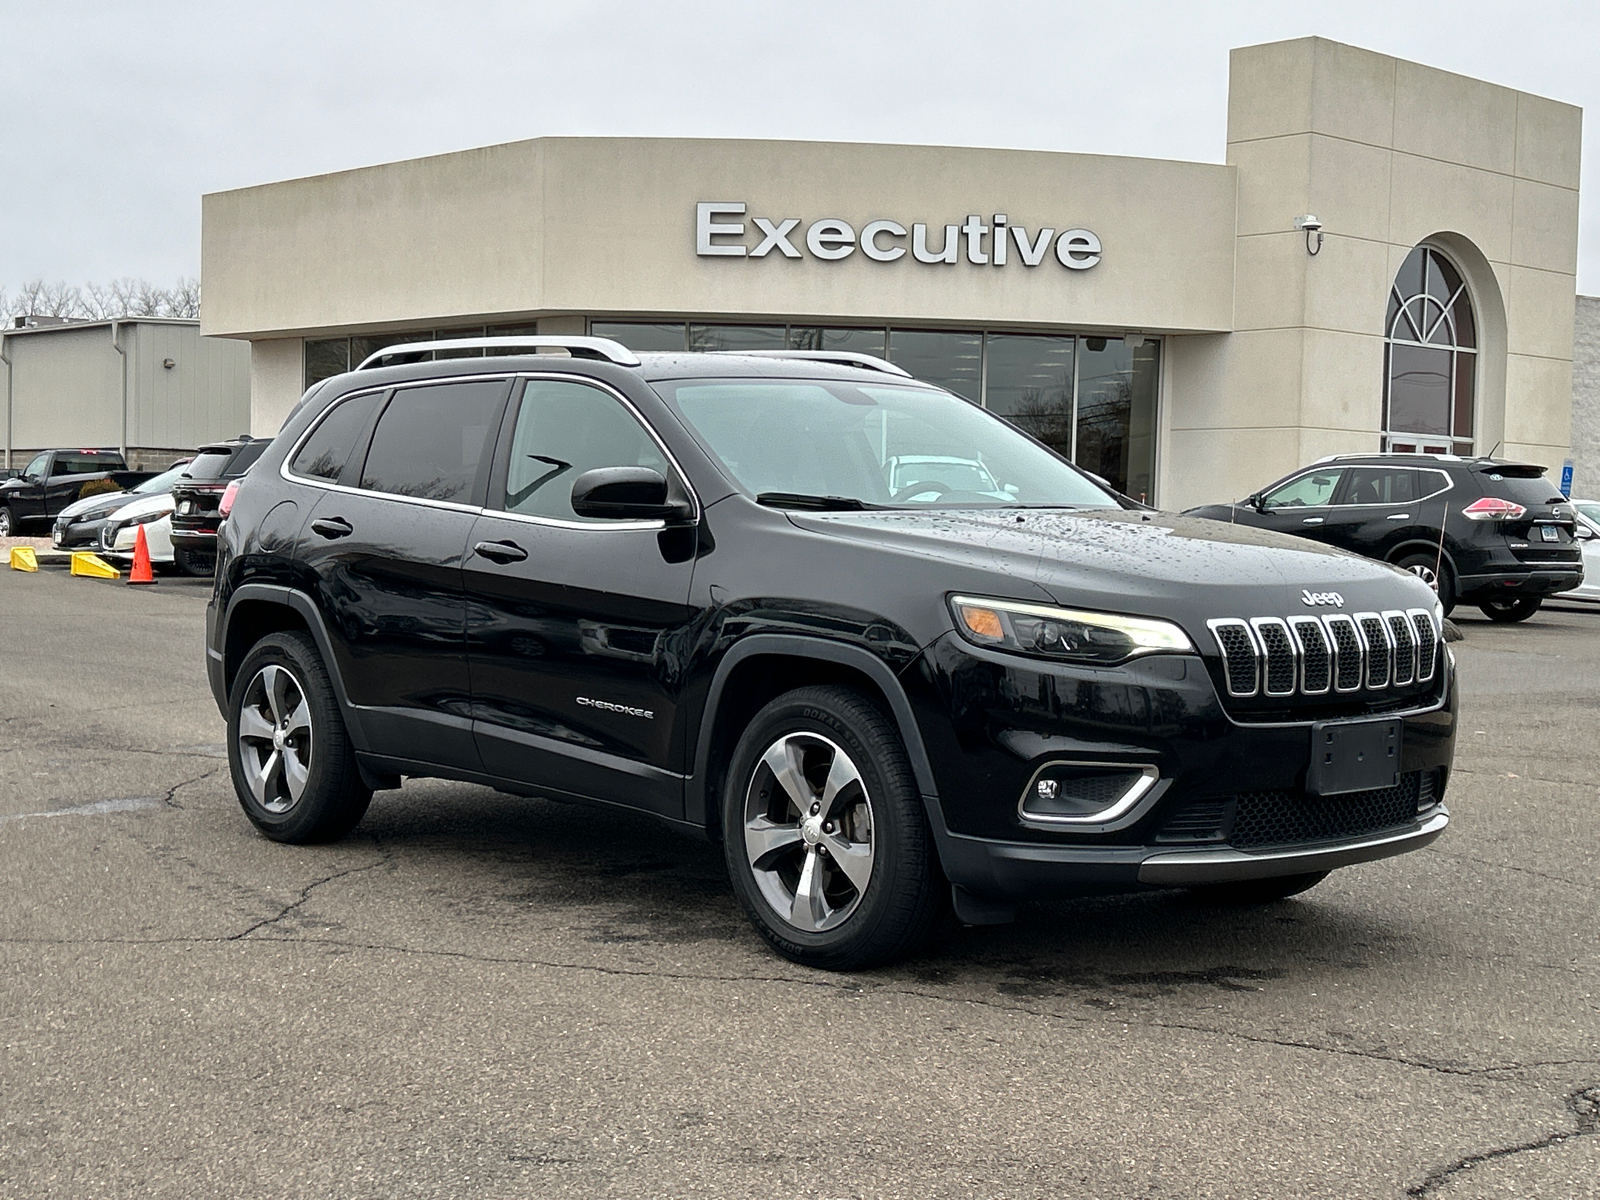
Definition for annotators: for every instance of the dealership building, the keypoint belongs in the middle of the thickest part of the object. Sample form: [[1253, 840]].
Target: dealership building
[[1386, 259]]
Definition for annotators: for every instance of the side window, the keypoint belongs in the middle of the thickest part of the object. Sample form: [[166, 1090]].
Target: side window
[[1381, 485], [1307, 491], [564, 429], [431, 441], [36, 467]]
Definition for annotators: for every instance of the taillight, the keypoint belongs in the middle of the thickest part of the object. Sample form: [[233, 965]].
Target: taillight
[[1492, 508], [232, 490]]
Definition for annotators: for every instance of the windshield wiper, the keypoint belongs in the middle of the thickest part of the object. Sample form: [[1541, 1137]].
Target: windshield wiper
[[817, 503]]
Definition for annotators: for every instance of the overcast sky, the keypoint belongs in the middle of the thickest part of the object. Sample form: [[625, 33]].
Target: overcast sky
[[118, 116]]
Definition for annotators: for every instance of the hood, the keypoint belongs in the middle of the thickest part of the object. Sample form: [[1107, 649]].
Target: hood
[[144, 505], [95, 506], [1150, 563]]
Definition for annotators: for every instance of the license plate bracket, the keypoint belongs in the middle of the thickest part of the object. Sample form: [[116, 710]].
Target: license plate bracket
[[1353, 756]]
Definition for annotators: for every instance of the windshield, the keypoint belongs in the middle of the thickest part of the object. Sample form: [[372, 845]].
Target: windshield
[[873, 444], [162, 482]]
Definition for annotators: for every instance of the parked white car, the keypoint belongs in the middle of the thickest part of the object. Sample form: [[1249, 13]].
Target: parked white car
[[154, 515], [1588, 531]]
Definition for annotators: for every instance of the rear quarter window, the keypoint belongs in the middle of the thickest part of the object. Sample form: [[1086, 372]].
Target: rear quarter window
[[324, 454], [209, 464]]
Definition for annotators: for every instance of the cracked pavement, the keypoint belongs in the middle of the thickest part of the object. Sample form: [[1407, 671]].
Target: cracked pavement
[[479, 995]]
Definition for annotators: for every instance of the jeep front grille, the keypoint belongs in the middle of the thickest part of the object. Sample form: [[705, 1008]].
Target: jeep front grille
[[1309, 656]]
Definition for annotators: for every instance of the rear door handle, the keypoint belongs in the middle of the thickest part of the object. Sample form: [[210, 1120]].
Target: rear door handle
[[1398, 517], [1312, 521], [501, 552], [333, 527]]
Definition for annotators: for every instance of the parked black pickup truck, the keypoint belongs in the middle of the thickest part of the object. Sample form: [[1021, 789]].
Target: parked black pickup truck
[[57, 478]]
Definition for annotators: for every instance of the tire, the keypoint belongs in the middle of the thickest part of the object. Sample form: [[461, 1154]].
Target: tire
[[199, 563], [1443, 582], [1257, 891], [8, 523], [1506, 611], [283, 688], [820, 778]]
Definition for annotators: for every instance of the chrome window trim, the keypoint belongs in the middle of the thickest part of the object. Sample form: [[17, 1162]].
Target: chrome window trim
[[1295, 626], [1389, 616], [654, 525], [1120, 812], [1217, 623], [1366, 644], [1264, 671], [1361, 649], [1438, 640]]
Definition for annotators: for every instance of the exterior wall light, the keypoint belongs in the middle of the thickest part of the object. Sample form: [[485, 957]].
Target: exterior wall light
[[168, 363], [1311, 226]]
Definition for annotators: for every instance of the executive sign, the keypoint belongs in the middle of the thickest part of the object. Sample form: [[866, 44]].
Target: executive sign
[[720, 231]]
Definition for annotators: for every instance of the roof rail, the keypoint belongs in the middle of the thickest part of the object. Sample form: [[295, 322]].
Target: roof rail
[[577, 347], [843, 358]]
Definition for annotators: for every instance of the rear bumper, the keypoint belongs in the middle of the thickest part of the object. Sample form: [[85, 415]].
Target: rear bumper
[[194, 539], [1019, 870], [1527, 583]]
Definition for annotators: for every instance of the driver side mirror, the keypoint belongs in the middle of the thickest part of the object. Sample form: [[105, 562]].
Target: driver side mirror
[[1256, 501], [627, 494], [1583, 533]]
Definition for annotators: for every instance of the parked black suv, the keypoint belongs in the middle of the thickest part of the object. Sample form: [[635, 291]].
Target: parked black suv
[[198, 499], [685, 586], [1479, 530]]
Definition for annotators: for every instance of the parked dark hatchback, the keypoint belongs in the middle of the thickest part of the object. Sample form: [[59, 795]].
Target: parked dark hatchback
[[198, 497], [1479, 530], [685, 586]]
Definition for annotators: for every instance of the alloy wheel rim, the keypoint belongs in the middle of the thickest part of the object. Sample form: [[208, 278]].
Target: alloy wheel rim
[[809, 832], [275, 742], [1426, 573]]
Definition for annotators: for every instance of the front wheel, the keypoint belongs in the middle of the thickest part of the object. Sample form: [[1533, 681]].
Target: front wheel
[[824, 833], [8, 523], [1436, 573], [1507, 611], [294, 770], [1257, 891]]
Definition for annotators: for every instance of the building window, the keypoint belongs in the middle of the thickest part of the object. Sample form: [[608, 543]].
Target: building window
[[1429, 359]]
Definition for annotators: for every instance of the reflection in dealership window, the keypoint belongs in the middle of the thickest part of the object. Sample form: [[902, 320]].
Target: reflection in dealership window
[[951, 360], [642, 336], [1117, 412], [1028, 381], [854, 341]]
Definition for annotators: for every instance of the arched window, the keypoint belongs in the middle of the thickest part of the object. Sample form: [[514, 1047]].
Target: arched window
[[1429, 359]]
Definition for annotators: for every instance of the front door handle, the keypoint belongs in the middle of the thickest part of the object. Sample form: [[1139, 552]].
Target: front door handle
[[1312, 521], [333, 527], [1398, 517], [501, 552]]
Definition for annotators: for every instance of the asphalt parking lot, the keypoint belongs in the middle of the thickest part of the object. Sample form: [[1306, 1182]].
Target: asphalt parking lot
[[477, 995]]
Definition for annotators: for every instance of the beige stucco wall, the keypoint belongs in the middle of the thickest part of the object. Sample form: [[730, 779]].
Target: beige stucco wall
[[1388, 154]]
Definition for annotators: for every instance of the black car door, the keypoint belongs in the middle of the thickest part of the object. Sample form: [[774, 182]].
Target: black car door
[[383, 549], [1377, 508], [577, 627], [1299, 505], [28, 500]]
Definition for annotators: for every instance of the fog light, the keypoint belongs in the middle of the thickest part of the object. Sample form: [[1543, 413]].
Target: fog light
[[1076, 793]]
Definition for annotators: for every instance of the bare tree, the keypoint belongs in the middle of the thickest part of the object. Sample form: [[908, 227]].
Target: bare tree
[[124, 297]]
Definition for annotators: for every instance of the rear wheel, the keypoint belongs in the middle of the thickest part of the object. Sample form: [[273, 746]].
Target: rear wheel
[[824, 833], [1507, 611], [294, 770], [1258, 891], [1434, 572], [194, 562]]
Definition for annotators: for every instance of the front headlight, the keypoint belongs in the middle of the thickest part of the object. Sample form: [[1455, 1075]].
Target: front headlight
[[1065, 634], [146, 518]]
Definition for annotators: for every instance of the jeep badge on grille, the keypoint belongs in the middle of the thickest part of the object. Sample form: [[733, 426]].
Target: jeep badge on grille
[[1315, 599]]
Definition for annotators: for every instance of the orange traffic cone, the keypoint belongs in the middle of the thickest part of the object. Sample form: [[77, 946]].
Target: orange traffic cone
[[141, 572]]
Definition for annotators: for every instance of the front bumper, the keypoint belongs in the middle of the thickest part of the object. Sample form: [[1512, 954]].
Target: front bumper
[[1018, 870]]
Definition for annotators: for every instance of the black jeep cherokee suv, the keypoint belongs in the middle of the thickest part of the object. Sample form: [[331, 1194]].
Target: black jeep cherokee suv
[[1479, 530], [684, 585]]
